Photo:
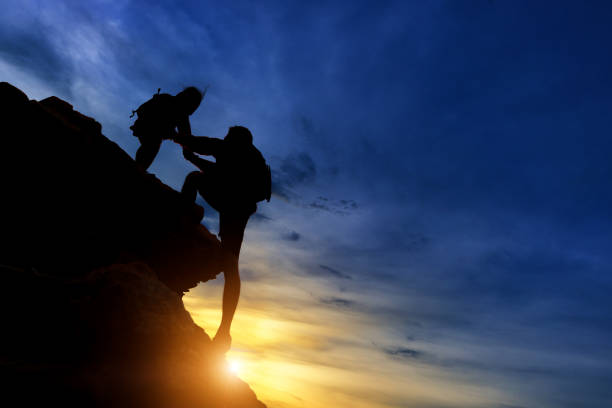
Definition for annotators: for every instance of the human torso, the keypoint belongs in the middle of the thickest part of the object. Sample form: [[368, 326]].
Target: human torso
[[165, 116], [238, 167]]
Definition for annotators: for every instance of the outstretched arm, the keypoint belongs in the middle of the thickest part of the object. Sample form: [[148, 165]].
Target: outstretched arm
[[208, 146], [183, 127], [199, 162], [231, 293]]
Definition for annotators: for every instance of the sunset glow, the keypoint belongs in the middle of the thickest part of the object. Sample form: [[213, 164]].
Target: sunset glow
[[313, 355]]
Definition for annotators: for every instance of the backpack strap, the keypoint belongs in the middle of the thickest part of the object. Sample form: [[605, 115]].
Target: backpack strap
[[135, 111], [268, 185]]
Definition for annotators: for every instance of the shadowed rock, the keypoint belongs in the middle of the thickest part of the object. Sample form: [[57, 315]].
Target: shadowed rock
[[73, 200], [95, 254]]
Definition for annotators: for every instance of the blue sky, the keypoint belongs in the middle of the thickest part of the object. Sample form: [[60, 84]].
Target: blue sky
[[441, 174]]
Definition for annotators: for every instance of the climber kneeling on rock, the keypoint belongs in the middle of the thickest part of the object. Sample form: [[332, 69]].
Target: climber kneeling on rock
[[233, 185]]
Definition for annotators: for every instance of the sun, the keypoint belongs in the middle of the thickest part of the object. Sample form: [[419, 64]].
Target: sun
[[234, 366]]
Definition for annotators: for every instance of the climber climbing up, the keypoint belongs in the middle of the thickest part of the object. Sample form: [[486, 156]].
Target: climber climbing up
[[163, 117], [233, 185]]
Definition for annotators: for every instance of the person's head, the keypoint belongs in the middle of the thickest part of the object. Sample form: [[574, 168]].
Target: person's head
[[239, 135], [189, 99]]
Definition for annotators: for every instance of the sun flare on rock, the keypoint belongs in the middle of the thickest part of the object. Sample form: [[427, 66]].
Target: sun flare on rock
[[234, 367]]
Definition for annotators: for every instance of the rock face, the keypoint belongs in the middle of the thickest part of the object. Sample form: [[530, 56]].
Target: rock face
[[94, 258]]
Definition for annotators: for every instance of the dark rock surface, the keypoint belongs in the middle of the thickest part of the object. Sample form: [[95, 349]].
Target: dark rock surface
[[95, 254], [73, 200]]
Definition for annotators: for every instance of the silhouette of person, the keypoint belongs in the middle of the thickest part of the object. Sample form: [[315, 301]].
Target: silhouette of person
[[163, 117], [230, 186]]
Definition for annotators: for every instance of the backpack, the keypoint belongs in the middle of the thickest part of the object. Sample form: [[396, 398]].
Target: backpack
[[265, 191], [260, 180], [153, 116]]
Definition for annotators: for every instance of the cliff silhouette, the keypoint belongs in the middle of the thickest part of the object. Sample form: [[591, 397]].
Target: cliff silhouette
[[95, 256]]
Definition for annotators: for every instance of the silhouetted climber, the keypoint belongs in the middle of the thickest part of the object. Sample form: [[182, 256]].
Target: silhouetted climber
[[232, 185], [163, 117]]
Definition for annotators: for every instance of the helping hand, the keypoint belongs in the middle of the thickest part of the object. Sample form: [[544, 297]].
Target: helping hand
[[174, 136], [188, 154], [179, 138]]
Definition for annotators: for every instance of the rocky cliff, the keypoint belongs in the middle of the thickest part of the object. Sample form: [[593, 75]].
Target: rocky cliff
[[94, 258]]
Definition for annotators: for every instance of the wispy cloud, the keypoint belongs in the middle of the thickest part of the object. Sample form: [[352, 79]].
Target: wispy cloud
[[329, 271], [336, 301], [402, 353], [292, 236]]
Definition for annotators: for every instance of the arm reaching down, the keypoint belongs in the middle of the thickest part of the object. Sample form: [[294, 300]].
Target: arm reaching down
[[183, 127], [199, 162], [208, 146]]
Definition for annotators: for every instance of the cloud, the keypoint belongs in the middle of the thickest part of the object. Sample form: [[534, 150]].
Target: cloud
[[403, 353], [339, 207], [260, 217], [31, 49], [348, 204], [319, 206], [510, 406], [293, 170], [249, 275], [292, 236], [325, 270], [336, 301]]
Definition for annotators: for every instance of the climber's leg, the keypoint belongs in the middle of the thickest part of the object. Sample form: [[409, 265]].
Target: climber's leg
[[192, 185], [149, 147], [231, 230]]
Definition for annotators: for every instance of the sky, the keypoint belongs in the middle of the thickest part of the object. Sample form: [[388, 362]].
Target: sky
[[440, 229]]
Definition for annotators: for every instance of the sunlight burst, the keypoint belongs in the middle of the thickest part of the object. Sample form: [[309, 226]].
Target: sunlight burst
[[233, 367]]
